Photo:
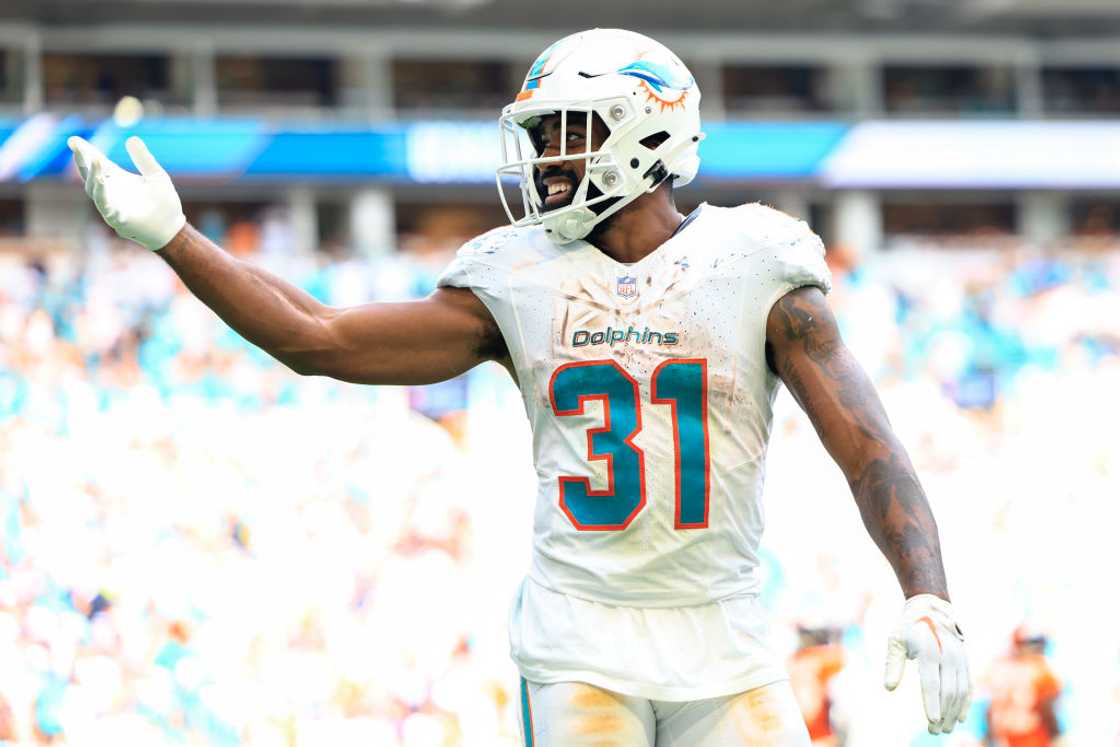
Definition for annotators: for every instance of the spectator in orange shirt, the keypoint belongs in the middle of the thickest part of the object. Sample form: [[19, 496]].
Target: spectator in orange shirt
[[1024, 695], [817, 660], [7, 722]]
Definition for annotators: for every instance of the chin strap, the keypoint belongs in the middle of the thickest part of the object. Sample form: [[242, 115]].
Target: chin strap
[[658, 173], [571, 228]]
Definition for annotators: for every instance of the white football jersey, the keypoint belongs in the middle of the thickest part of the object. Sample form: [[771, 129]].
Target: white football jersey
[[649, 397]]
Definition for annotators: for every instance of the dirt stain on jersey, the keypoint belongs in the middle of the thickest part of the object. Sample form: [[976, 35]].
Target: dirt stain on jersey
[[659, 301], [762, 718], [592, 697], [598, 724], [597, 718]]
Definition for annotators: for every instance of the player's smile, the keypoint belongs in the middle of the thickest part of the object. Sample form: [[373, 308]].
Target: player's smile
[[557, 182], [557, 188]]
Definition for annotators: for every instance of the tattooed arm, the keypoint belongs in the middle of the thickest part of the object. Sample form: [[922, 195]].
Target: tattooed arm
[[804, 348]]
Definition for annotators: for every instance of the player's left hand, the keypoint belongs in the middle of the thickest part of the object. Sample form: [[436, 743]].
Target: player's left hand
[[928, 632]]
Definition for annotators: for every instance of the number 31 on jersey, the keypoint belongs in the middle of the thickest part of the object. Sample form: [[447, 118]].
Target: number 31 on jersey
[[680, 384]]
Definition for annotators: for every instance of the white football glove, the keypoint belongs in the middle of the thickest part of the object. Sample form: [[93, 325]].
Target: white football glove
[[142, 207], [928, 632]]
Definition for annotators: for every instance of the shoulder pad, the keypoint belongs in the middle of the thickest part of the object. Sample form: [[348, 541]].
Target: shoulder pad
[[772, 223], [485, 261], [791, 251]]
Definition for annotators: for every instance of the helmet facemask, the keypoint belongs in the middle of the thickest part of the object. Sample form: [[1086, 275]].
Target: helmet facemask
[[638, 89], [598, 194]]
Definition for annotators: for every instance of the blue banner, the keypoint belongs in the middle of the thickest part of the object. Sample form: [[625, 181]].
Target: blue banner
[[767, 150], [886, 154], [230, 149], [377, 153]]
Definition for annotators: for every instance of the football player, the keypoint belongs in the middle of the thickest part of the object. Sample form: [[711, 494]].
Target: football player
[[648, 347]]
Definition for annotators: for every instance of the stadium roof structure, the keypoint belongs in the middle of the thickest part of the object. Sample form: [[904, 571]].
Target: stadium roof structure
[[1042, 17]]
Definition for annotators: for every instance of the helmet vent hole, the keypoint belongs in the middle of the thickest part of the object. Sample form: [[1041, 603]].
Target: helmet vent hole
[[652, 142]]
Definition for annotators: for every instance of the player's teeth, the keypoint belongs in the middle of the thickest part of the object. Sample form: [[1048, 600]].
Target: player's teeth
[[557, 188]]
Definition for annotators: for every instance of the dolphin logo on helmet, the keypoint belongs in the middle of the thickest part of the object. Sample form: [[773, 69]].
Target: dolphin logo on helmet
[[659, 80]]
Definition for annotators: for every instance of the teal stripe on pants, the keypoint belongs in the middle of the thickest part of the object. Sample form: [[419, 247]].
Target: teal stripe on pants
[[526, 714]]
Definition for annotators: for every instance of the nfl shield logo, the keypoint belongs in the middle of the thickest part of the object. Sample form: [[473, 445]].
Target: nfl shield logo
[[627, 286]]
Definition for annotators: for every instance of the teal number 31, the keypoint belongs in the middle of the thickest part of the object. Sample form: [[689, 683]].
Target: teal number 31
[[680, 384]]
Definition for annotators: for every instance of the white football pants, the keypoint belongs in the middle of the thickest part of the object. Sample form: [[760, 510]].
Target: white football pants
[[575, 714]]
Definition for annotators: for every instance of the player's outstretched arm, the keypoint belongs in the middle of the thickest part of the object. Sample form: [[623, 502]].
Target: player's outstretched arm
[[411, 342], [379, 343], [806, 351]]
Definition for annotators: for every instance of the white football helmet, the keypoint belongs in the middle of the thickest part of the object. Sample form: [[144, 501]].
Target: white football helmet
[[639, 89]]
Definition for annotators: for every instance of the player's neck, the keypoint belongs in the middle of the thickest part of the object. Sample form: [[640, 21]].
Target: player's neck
[[639, 228]]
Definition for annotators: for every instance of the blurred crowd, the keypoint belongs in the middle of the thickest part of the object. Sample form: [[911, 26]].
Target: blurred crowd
[[198, 546], [995, 367]]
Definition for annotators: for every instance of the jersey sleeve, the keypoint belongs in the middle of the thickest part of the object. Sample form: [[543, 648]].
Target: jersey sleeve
[[796, 256], [790, 255], [457, 274], [481, 266]]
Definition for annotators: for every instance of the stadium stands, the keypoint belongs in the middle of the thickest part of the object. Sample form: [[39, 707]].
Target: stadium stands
[[260, 590]]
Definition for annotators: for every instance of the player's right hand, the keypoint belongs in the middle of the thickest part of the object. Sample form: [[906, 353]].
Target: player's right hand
[[143, 207]]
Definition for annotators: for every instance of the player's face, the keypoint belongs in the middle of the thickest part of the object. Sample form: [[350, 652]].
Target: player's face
[[557, 182]]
